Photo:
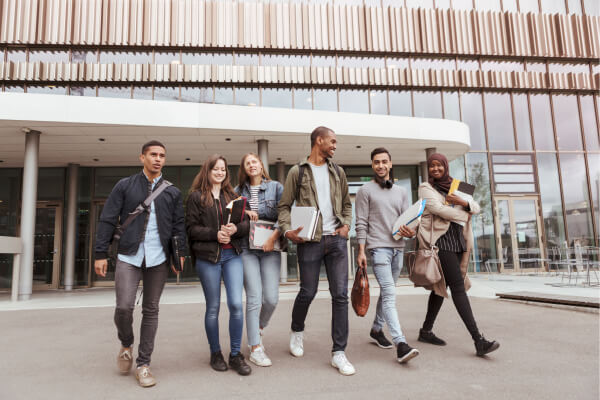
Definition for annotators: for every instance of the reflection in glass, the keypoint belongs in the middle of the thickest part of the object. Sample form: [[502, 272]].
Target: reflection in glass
[[542, 122], [47, 89], [378, 101], [553, 6], [574, 6], [117, 92], [197, 94], [427, 104], [457, 167], [223, 95], [526, 6], [355, 101], [276, 98], [49, 56], [590, 129], [488, 5], [472, 113], [166, 93], [44, 245], [577, 200], [521, 114], [483, 223], [505, 234], [303, 99], [594, 166], [400, 103], [325, 99], [566, 117], [498, 115], [527, 237], [82, 261], [82, 56], [247, 96], [83, 91], [10, 203], [142, 92], [451, 106]]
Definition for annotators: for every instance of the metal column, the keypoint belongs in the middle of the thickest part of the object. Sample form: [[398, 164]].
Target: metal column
[[71, 237], [28, 211], [281, 171], [263, 152], [423, 165]]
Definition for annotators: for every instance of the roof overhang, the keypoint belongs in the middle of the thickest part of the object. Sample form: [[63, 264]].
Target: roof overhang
[[72, 127]]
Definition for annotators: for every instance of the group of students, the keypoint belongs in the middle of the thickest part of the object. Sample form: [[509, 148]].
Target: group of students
[[220, 250]]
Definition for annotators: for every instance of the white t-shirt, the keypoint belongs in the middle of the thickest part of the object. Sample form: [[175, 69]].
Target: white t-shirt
[[321, 176]]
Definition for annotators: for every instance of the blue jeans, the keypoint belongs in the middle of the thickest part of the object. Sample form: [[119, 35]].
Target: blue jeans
[[387, 264], [261, 280], [230, 267], [333, 251]]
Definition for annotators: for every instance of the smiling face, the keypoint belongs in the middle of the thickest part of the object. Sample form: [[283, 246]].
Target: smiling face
[[382, 165], [218, 173], [436, 169], [327, 145], [252, 166], [153, 160]]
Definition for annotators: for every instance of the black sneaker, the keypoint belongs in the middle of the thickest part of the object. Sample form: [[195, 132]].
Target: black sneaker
[[484, 347], [238, 364], [217, 362], [380, 339], [429, 337], [405, 353]]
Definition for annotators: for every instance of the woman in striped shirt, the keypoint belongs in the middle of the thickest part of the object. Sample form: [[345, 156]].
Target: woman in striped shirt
[[446, 223], [261, 267]]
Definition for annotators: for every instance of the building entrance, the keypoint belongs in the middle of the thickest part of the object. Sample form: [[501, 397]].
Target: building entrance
[[518, 233], [97, 280], [47, 245]]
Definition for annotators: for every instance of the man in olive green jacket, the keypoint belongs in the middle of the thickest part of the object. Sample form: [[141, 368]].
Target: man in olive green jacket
[[323, 185]]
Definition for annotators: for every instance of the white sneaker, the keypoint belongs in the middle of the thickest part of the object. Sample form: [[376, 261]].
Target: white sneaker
[[340, 362], [296, 344], [260, 358]]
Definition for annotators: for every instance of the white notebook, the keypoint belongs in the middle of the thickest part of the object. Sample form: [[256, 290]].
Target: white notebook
[[307, 217], [410, 218]]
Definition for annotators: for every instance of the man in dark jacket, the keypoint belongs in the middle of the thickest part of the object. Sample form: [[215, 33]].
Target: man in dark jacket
[[143, 253]]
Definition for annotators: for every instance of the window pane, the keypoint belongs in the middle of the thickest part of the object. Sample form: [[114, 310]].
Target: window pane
[[166, 58], [49, 56], [574, 6], [303, 99], [16, 55], [83, 91], [566, 117], [592, 142], [522, 124], [468, 65], [565, 68], [118, 92], [451, 106], [142, 92], [553, 6], [277, 98], [483, 223], [473, 116], [457, 167], [82, 56], [14, 89], [494, 65], [509, 5], [592, 7], [361, 62], [503, 178], [577, 201], [499, 121], [323, 61], [427, 104], [166, 93], [536, 66], [325, 99], [207, 58], [397, 63], [542, 122], [355, 101], [246, 59], [378, 101], [48, 89], [485, 5], [123, 57], [594, 164], [400, 103], [526, 6], [513, 168], [433, 63], [197, 95], [272, 59], [247, 96], [10, 188], [550, 197], [223, 95], [515, 188]]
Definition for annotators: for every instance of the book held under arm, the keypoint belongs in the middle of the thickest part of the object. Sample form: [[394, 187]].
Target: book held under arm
[[236, 208], [410, 218], [260, 231], [462, 189], [307, 218]]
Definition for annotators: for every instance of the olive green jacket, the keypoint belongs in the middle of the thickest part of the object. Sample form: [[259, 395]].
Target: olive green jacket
[[307, 197]]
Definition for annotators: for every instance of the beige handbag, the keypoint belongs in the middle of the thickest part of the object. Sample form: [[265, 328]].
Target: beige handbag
[[424, 264]]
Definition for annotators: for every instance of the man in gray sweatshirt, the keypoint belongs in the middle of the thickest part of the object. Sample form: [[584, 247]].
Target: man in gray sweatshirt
[[378, 204]]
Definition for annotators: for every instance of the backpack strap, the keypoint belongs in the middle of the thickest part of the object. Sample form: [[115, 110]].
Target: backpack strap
[[301, 168]]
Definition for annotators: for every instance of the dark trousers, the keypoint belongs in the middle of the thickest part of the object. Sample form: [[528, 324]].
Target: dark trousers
[[127, 280], [451, 266], [332, 250]]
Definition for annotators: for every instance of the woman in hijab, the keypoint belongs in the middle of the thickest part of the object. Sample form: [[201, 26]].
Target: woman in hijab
[[450, 217]]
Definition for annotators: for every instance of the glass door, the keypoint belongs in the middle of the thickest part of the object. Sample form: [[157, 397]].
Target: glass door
[[518, 233], [97, 280], [47, 245]]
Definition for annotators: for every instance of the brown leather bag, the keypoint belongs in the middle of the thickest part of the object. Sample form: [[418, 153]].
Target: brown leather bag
[[424, 264], [360, 292]]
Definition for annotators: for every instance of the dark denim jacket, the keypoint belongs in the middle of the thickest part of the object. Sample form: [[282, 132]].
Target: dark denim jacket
[[269, 195]]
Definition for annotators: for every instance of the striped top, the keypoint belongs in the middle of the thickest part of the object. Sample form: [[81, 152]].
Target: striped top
[[453, 240], [253, 200]]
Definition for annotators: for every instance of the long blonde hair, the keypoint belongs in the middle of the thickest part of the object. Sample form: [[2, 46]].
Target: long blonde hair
[[243, 176], [202, 182]]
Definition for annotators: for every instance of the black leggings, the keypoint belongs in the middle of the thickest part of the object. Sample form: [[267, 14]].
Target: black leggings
[[451, 266]]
